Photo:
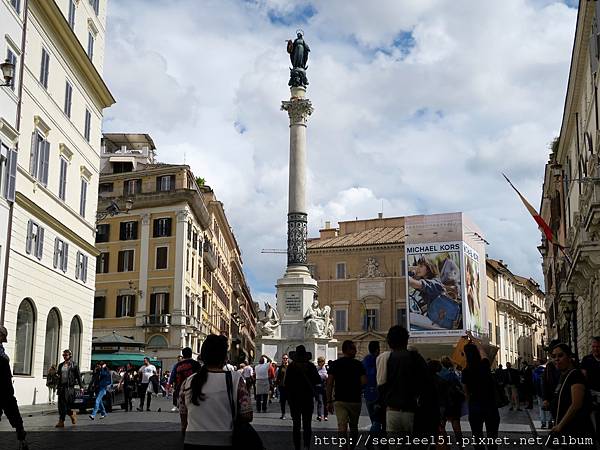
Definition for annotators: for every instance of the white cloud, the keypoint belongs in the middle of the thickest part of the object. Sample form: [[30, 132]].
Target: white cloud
[[418, 105]]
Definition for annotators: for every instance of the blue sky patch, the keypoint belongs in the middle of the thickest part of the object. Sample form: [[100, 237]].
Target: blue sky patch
[[298, 16]]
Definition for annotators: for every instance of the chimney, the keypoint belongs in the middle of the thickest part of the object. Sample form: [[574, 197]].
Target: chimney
[[328, 232], [327, 224], [380, 215]]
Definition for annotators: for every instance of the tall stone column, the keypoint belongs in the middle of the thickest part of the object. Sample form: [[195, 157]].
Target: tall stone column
[[299, 109]]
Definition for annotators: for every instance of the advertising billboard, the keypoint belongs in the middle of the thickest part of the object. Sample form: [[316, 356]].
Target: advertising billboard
[[475, 307], [435, 290]]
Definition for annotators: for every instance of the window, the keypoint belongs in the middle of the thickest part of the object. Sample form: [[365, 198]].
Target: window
[[187, 260], [61, 254], [82, 200], [128, 231], [11, 174], [39, 158], [490, 328], [95, 5], [105, 187], [102, 232], [24, 338], [193, 265], [159, 304], [162, 227], [125, 306], [341, 271], [132, 187], [371, 322], [90, 47], [195, 240], [81, 267], [341, 320], [72, 14], [35, 240], [75, 338], [88, 124], [165, 183], [162, 255], [68, 98], [125, 261], [52, 340], [401, 317], [17, 5], [189, 231], [102, 263], [62, 183], [45, 68], [12, 58], [99, 307]]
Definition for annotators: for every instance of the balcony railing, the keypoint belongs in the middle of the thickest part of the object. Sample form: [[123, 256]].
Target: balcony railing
[[157, 320]]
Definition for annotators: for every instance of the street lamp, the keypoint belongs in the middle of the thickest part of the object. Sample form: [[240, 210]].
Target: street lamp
[[8, 72], [113, 209]]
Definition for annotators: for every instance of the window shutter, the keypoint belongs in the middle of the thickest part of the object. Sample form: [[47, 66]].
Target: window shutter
[[155, 228], [40, 243], [153, 304], [132, 306], [122, 231], [44, 161], [29, 240], [56, 244], [165, 306], [172, 183], [120, 263], [157, 184], [78, 266], [105, 262], [65, 257], [125, 190], [138, 186], [168, 227], [119, 306], [135, 231], [130, 260], [11, 170], [33, 157], [84, 260]]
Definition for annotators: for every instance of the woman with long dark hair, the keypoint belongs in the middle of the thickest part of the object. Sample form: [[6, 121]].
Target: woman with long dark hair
[[204, 400], [479, 389]]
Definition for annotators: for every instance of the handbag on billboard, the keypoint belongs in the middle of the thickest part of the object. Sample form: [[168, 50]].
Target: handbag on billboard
[[444, 311]]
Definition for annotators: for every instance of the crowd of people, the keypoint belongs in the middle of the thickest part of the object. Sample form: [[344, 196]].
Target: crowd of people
[[404, 394]]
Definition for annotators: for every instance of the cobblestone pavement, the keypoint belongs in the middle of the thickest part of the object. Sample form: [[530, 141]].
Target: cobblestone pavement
[[161, 429]]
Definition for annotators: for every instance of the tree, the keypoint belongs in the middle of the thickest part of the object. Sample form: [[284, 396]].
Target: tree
[[200, 181]]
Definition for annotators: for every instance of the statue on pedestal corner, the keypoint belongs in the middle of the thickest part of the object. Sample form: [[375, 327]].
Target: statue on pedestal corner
[[298, 50], [269, 323]]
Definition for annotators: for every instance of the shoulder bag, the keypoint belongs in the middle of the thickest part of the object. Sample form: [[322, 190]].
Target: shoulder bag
[[244, 435]]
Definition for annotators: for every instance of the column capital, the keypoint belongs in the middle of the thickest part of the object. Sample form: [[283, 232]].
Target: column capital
[[298, 109]]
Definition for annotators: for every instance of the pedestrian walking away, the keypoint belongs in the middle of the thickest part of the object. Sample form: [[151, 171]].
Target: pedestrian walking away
[[51, 382], [183, 369], [345, 382], [127, 383], [146, 372], [454, 399], [538, 386], [300, 381], [102, 381], [8, 402], [371, 392], [69, 377], [590, 366], [204, 403], [262, 383], [513, 379]]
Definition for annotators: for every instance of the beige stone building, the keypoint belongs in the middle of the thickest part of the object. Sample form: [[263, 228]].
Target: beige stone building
[[571, 197], [164, 271]]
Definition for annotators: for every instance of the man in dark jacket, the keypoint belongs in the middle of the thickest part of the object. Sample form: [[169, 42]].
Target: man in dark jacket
[[68, 377], [8, 402], [513, 380]]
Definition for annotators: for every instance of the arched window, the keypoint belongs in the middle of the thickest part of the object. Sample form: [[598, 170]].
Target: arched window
[[24, 338], [75, 339], [158, 341], [52, 340]]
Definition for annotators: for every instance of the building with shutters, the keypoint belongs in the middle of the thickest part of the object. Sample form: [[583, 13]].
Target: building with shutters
[[49, 284], [571, 197], [163, 275]]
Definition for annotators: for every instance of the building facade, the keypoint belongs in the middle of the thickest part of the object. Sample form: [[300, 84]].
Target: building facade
[[164, 272], [48, 300], [571, 197], [518, 320]]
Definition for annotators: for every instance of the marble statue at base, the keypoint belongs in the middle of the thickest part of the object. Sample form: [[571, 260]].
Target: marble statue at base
[[317, 321], [268, 325]]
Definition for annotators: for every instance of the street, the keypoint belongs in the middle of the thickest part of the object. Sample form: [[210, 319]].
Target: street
[[161, 430]]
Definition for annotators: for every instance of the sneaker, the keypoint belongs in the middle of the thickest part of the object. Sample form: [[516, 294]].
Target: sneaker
[[60, 424], [543, 425], [282, 417], [148, 409], [319, 418], [174, 408], [325, 419], [103, 416], [92, 417], [139, 409]]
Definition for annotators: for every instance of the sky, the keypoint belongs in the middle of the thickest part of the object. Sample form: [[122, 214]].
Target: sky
[[419, 105]]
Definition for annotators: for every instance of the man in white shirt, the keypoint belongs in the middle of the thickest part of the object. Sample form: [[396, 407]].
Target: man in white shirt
[[262, 383], [146, 372]]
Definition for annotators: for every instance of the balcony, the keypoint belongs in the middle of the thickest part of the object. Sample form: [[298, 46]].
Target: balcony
[[157, 320], [237, 288], [210, 258]]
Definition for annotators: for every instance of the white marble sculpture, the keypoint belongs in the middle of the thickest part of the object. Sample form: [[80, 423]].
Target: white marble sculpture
[[317, 321], [267, 326]]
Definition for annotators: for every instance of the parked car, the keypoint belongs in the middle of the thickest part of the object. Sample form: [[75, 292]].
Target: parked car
[[85, 396]]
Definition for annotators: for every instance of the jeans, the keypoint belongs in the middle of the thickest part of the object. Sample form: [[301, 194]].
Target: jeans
[[261, 402], [282, 399], [375, 420], [51, 394], [142, 392], [302, 412], [99, 403], [480, 414], [320, 397], [545, 415]]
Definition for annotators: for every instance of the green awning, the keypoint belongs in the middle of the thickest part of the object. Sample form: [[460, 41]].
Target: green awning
[[122, 359]]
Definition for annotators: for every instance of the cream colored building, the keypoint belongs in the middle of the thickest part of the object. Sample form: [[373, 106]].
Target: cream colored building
[[517, 315], [164, 274], [48, 301], [571, 197]]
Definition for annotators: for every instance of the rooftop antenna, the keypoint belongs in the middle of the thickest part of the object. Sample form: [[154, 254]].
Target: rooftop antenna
[[184, 155]]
